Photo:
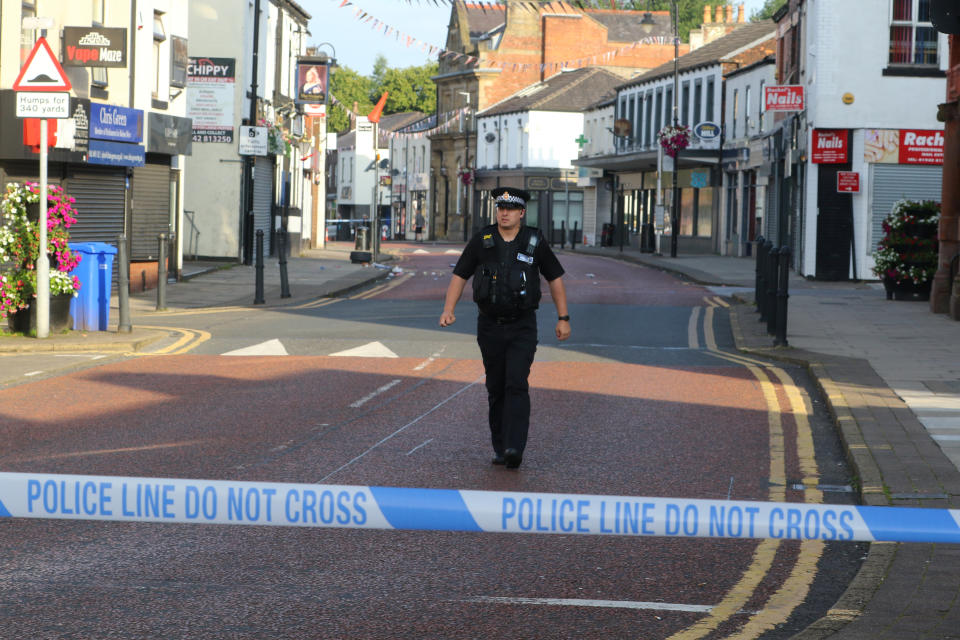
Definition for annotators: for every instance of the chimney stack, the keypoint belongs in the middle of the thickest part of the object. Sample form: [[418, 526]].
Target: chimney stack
[[740, 12], [719, 13], [706, 14], [729, 16]]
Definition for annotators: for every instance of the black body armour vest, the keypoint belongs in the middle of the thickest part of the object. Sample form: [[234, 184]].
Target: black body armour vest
[[507, 284]]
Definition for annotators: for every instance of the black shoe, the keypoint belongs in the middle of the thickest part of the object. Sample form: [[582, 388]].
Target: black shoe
[[512, 458], [498, 459]]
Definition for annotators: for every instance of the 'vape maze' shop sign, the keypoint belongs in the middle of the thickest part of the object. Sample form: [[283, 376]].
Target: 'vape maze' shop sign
[[94, 47]]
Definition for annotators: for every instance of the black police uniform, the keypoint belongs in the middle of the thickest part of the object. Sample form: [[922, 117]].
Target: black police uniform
[[506, 288]]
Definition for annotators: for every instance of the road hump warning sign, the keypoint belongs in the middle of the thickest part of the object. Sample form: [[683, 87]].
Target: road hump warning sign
[[42, 71]]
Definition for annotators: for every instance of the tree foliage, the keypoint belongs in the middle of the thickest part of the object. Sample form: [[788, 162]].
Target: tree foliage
[[766, 12], [410, 88]]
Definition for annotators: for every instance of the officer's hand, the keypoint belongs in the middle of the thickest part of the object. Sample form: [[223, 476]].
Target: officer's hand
[[563, 329], [447, 318]]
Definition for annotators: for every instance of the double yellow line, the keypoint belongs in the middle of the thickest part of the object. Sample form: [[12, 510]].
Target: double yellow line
[[794, 589], [189, 339]]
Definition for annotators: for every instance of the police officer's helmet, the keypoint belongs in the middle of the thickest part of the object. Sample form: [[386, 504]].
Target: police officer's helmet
[[510, 198]]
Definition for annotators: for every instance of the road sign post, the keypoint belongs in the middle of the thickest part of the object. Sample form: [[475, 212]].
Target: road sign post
[[42, 88]]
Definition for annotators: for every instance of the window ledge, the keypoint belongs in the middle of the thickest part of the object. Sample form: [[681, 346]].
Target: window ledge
[[915, 72]]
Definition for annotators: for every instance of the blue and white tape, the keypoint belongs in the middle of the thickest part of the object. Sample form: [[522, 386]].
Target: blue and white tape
[[27, 495]]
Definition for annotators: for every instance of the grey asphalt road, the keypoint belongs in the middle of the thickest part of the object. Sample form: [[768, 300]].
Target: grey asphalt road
[[644, 400]]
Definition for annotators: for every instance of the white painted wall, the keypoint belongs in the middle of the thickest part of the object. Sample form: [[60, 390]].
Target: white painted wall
[[752, 121], [835, 29]]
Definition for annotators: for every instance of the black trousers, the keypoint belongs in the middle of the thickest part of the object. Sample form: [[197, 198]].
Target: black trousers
[[507, 349]]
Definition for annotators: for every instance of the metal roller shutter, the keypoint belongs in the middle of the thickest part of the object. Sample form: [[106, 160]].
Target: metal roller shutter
[[100, 203], [262, 201], [150, 210], [100, 195], [892, 182]]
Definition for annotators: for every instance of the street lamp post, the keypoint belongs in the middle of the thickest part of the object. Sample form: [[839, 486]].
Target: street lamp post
[[466, 163], [675, 209], [647, 25]]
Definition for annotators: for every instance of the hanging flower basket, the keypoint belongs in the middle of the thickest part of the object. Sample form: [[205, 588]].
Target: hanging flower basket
[[674, 139]]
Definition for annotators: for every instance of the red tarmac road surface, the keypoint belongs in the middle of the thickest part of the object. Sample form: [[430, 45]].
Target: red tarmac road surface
[[597, 427]]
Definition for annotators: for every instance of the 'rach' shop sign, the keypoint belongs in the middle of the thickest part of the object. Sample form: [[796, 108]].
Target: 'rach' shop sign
[[94, 47], [903, 146]]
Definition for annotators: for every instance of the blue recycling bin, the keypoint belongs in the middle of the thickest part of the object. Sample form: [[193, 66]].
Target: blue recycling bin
[[91, 308]]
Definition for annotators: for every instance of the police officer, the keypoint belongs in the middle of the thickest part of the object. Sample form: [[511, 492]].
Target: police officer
[[506, 261]]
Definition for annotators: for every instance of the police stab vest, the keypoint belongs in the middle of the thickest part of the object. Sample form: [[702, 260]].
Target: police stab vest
[[507, 282]]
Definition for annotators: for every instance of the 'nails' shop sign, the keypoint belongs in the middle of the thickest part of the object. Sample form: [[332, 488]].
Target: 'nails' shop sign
[[94, 47]]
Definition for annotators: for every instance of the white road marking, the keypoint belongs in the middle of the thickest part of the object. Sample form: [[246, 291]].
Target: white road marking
[[374, 394], [421, 251], [427, 362], [269, 348], [453, 252], [369, 350], [32, 373], [692, 338], [420, 446], [610, 604], [400, 430]]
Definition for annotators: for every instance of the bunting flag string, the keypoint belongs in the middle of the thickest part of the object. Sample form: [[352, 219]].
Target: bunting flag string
[[457, 56], [446, 120]]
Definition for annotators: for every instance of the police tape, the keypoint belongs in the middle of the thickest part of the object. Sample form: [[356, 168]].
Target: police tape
[[114, 498]]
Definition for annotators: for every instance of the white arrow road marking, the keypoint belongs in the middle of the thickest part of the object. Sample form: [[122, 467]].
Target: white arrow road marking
[[370, 350], [453, 252], [269, 348], [421, 251]]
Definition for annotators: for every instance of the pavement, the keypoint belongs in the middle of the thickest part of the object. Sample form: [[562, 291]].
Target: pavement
[[889, 372]]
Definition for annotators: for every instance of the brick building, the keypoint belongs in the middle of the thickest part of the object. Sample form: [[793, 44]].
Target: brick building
[[494, 51]]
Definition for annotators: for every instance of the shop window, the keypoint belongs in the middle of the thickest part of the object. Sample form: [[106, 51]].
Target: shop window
[[736, 110], [159, 46], [913, 40], [697, 102], [760, 108], [710, 90], [28, 37], [99, 12]]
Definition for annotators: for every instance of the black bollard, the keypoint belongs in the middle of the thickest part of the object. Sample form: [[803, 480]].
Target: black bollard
[[573, 240], [563, 234], [284, 283], [258, 291], [759, 271], [765, 249], [123, 285], [162, 272], [770, 304], [780, 339]]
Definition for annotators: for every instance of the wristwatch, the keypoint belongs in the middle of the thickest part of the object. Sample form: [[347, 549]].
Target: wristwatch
[[566, 318]]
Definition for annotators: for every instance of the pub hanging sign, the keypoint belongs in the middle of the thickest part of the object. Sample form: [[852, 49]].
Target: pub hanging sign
[[94, 47]]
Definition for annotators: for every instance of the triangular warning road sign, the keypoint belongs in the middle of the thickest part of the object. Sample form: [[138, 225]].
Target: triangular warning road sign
[[42, 72]]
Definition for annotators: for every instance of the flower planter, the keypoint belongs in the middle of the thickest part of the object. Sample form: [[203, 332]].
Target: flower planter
[[25, 320], [907, 291], [906, 257]]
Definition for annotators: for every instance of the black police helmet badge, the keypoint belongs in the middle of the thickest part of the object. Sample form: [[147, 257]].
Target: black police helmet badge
[[510, 198]]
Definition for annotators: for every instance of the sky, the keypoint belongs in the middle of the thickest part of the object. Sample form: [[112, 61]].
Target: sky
[[356, 43]]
